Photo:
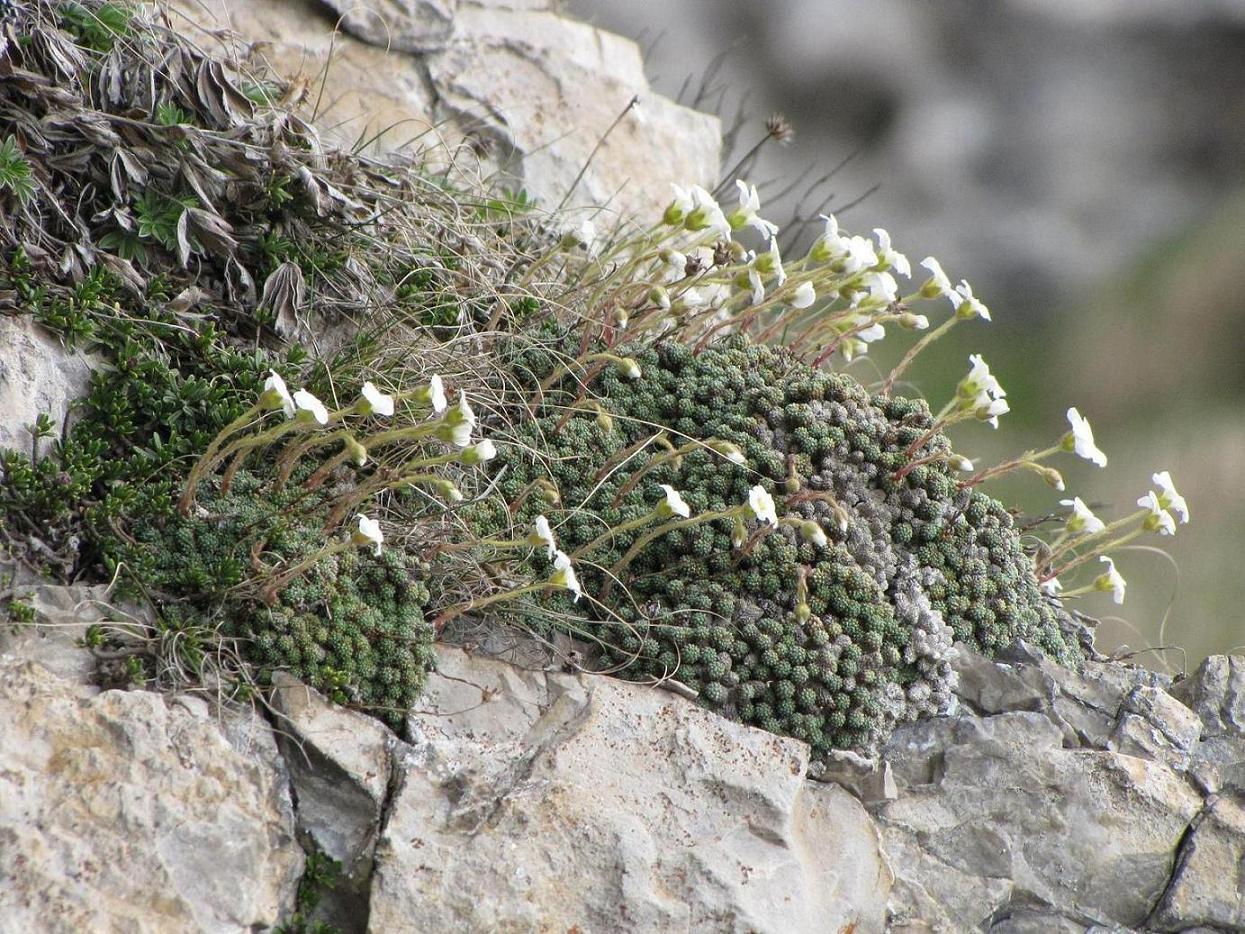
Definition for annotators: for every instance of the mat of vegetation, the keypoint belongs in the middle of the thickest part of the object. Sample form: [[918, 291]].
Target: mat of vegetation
[[505, 416]]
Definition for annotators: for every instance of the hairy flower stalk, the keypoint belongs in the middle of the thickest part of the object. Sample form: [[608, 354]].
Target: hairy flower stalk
[[670, 506], [674, 456], [760, 506], [368, 535], [562, 578], [1154, 517], [308, 414]]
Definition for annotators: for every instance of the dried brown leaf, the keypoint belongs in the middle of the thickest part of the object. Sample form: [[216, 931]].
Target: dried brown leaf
[[285, 294]]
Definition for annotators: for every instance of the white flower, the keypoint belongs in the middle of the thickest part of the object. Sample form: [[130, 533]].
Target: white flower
[[1111, 581], [369, 533], [850, 348], [746, 214], [992, 410], [461, 422], [313, 407], [938, 285], [542, 534], [680, 207], [868, 333], [881, 285], [1169, 498], [1159, 520], [375, 402], [480, 452], [675, 264], [630, 369], [960, 462], [706, 214], [1052, 587], [858, 254], [1081, 439], [1082, 518], [757, 284], [762, 505], [673, 504], [849, 255], [979, 385], [969, 306], [890, 257], [910, 322], [692, 298], [980, 393], [771, 262], [768, 263], [830, 244], [564, 574], [804, 295], [436, 395], [277, 395]]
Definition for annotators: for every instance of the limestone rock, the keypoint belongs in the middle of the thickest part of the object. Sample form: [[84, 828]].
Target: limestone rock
[[37, 377], [545, 89], [1208, 885], [1004, 817], [401, 25], [531, 91], [1216, 692], [371, 98], [53, 639], [124, 812], [1154, 725], [583, 801], [339, 763]]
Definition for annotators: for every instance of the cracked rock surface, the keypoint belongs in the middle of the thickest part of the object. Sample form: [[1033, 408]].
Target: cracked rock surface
[[579, 800], [528, 800], [128, 811], [38, 376], [528, 91], [1055, 800]]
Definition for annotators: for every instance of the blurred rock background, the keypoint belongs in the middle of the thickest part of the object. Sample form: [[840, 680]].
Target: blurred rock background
[[1082, 163]]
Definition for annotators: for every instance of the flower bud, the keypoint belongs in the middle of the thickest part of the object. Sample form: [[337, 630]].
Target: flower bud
[[479, 453], [629, 368], [813, 533], [448, 490], [356, 451], [1052, 477], [728, 450]]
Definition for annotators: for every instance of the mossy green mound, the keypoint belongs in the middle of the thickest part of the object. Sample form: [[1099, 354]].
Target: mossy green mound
[[908, 566]]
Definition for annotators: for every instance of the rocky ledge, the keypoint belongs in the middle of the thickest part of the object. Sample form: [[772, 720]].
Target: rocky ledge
[[520, 799]]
